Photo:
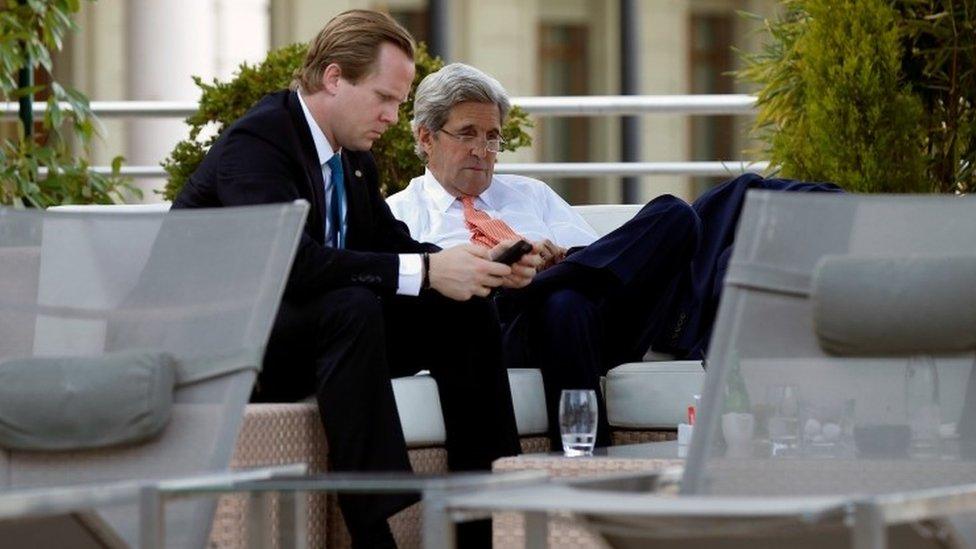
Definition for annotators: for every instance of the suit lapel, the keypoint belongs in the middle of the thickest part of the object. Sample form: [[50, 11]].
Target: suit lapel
[[315, 184]]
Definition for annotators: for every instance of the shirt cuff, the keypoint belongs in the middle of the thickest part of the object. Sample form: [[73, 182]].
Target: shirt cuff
[[410, 277]]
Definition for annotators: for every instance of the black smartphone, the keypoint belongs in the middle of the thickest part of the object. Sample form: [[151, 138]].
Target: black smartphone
[[514, 253]]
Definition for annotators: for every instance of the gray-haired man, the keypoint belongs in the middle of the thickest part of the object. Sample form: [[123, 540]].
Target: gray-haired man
[[598, 302]]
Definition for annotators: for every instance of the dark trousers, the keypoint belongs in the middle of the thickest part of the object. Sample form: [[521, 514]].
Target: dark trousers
[[696, 302], [602, 305], [345, 345]]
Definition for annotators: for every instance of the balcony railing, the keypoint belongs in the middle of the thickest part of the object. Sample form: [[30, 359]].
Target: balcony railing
[[601, 105]]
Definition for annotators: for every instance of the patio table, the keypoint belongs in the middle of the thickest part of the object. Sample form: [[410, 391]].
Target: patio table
[[654, 457], [437, 529]]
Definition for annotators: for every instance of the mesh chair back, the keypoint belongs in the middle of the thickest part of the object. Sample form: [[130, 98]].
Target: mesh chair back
[[880, 413], [200, 285]]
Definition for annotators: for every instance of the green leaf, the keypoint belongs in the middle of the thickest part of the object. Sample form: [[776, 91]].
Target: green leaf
[[25, 92], [53, 115]]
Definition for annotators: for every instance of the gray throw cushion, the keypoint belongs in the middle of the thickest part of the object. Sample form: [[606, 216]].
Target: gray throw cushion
[[895, 305], [62, 403]]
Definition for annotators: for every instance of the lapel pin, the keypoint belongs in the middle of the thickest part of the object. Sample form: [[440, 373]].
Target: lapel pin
[[359, 173]]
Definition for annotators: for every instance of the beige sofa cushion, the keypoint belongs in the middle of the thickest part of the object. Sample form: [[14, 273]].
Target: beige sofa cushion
[[604, 218], [652, 395], [419, 405], [529, 400]]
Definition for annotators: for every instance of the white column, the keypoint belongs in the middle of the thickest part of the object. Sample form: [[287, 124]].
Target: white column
[[243, 34], [169, 41], [502, 39], [98, 61], [665, 71]]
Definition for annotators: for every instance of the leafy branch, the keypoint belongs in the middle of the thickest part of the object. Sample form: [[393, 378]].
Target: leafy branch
[[42, 170]]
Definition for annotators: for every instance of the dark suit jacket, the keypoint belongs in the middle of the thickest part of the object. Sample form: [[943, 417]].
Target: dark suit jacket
[[268, 156]]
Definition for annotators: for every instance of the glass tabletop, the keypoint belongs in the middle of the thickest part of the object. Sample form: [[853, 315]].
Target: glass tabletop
[[647, 450], [375, 482], [63, 499]]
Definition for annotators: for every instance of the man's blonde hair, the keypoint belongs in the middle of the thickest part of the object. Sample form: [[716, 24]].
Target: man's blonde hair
[[352, 40]]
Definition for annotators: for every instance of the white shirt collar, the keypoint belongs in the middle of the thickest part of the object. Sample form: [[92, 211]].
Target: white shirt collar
[[443, 199], [488, 196], [322, 146]]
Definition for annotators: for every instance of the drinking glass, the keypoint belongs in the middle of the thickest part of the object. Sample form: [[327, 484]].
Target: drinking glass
[[783, 422], [577, 421], [922, 404]]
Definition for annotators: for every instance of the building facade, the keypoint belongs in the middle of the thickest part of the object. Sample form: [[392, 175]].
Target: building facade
[[149, 49]]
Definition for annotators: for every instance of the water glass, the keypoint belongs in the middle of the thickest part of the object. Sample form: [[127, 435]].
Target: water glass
[[922, 405], [577, 421], [783, 423]]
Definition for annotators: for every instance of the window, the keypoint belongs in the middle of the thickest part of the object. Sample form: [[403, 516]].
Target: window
[[563, 71], [415, 21], [712, 137]]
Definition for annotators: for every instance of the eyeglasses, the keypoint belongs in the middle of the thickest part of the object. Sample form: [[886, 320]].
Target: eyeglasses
[[493, 145]]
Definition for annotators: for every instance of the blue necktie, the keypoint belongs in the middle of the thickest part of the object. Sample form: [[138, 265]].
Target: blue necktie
[[337, 236]]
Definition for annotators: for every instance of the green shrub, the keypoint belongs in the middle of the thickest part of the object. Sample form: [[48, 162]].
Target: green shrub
[[224, 102], [940, 61], [29, 32], [875, 95]]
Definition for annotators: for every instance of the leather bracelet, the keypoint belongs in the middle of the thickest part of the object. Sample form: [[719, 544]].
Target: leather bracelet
[[425, 285]]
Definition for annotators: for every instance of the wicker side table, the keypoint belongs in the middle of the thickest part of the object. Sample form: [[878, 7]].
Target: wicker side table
[[508, 530]]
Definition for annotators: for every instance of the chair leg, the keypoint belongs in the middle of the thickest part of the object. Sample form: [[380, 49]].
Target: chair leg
[[869, 527], [536, 530]]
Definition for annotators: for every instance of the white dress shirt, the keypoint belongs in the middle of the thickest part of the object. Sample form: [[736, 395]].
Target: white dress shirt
[[527, 205], [409, 277]]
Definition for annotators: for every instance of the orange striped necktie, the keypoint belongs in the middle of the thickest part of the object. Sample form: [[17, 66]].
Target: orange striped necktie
[[485, 230]]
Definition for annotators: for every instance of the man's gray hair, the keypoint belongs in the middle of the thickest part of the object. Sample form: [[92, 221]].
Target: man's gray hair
[[456, 83]]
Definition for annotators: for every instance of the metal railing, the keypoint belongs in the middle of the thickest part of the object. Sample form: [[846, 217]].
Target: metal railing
[[600, 105], [626, 105]]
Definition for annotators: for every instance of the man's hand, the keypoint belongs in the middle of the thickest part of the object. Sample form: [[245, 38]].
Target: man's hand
[[550, 253], [465, 271], [524, 269]]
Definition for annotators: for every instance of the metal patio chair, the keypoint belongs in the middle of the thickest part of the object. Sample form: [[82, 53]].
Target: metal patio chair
[[839, 404], [130, 343]]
